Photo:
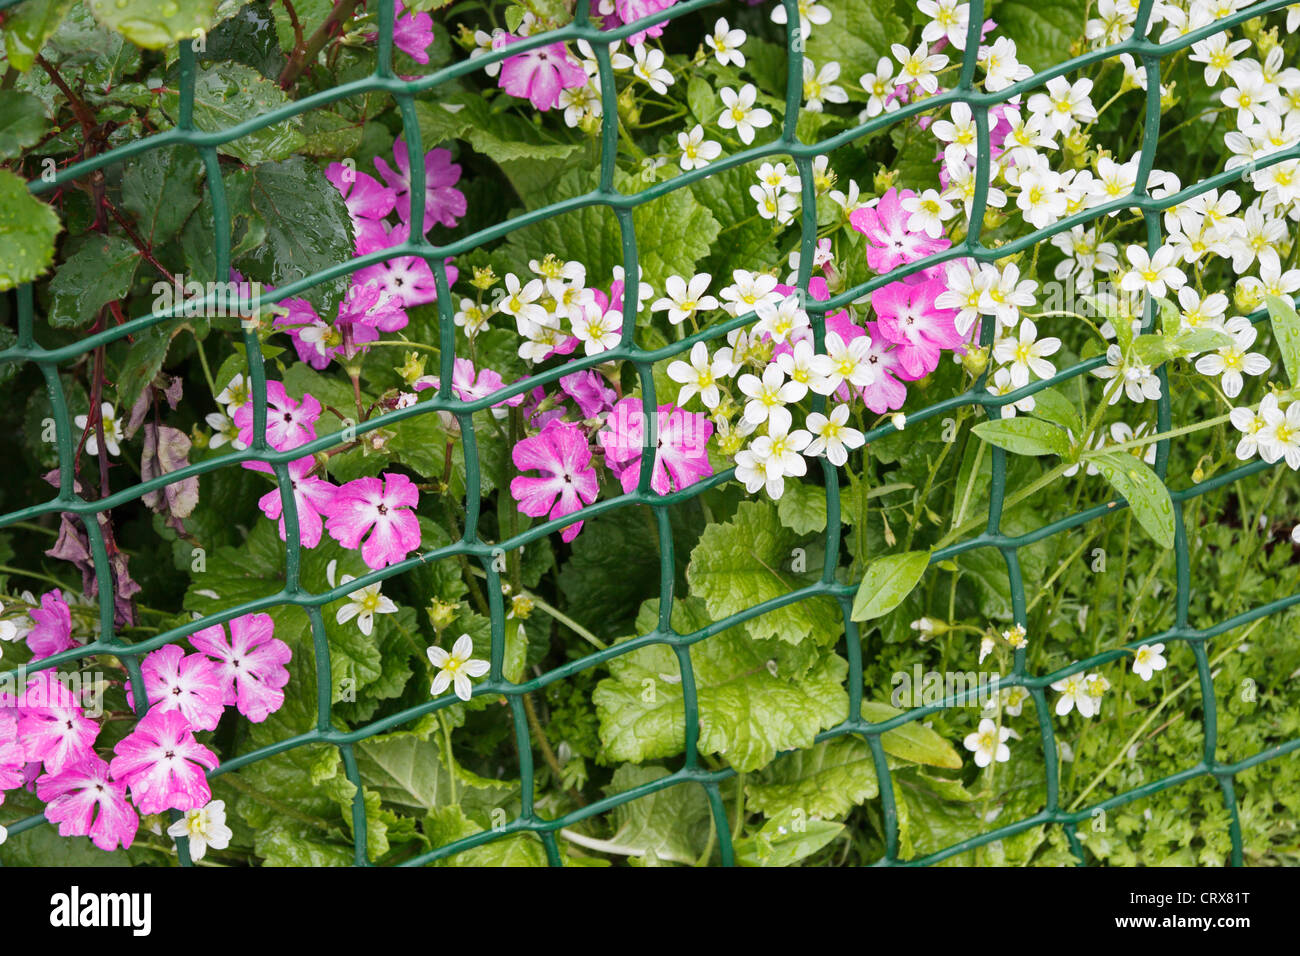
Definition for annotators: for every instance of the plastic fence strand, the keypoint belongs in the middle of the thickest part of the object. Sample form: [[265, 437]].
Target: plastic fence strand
[[692, 771]]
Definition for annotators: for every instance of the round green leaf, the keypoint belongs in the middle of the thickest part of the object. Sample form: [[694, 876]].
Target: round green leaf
[[22, 122], [27, 230]]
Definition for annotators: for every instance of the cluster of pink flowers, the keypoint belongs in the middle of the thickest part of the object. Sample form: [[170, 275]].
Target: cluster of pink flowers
[[47, 738], [908, 316], [372, 514], [380, 294]]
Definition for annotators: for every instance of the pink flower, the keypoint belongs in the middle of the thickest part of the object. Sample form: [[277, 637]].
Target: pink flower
[[681, 456], [538, 75], [536, 416], [53, 630], [189, 683], [73, 796], [404, 279], [311, 496], [884, 392], [251, 664], [163, 764], [12, 759], [629, 11], [563, 457], [589, 391], [367, 505], [288, 423], [412, 33], [51, 724], [889, 243], [470, 385], [907, 316], [442, 202], [365, 197]]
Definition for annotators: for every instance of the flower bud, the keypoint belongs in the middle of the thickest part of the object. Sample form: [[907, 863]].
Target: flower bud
[[976, 359], [441, 614]]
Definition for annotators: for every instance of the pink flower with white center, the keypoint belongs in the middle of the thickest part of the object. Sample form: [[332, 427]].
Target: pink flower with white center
[[589, 392], [567, 479], [538, 75], [51, 725], [629, 11], [53, 626], [163, 764], [681, 446], [366, 197], [443, 203], [470, 385], [907, 316], [289, 423], [889, 242], [85, 800], [377, 511], [251, 663], [369, 305], [314, 339], [884, 392], [407, 280], [189, 683], [13, 761]]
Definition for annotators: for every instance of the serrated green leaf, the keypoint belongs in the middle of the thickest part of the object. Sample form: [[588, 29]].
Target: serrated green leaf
[[802, 508], [827, 781], [749, 560], [152, 24], [1144, 491], [671, 824], [99, 270], [886, 582], [1024, 436], [28, 26], [27, 230], [225, 95], [748, 714], [160, 189], [22, 122], [860, 32]]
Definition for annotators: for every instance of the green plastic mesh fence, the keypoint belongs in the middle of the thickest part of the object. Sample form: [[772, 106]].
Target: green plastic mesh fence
[[691, 772]]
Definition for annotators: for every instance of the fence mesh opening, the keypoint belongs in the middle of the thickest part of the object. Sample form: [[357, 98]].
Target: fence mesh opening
[[692, 771]]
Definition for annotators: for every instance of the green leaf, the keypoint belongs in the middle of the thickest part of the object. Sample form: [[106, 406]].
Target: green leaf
[[886, 582], [1043, 29], [227, 94], [1193, 341], [144, 359], [802, 508], [22, 122], [701, 99], [307, 229], [160, 189], [1286, 330], [859, 34], [1051, 405], [99, 270], [1144, 491], [671, 824], [28, 26], [827, 781], [748, 714], [1024, 436], [154, 25], [749, 560], [786, 840], [448, 824], [912, 741], [27, 230]]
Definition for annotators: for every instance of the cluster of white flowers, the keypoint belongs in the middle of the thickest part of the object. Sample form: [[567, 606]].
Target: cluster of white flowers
[[776, 193]]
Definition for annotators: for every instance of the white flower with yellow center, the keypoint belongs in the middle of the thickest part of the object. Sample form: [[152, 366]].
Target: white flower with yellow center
[[598, 329], [699, 376], [1280, 436], [1148, 659], [1026, 353], [819, 86], [112, 430], [988, 743], [471, 317], [811, 14], [682, 299], [1154, 273], [205, 827], [927, 213], [726, 43], [740, 113], [958, 133], [781, 319], [1251, 424], [774, 205], [236, 394], [1065, 105], [1234, 361], [800, 364], [747, 290], [362, 604], [879, 87], [520, 302], [1075, 695], [832, 436], [456, 669], [948, 18], [1001, 66], [843, 362], [697, 152], [919, 66], [768, 395]]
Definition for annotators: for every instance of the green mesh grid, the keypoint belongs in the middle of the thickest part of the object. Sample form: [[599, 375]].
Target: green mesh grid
[[691, 772]]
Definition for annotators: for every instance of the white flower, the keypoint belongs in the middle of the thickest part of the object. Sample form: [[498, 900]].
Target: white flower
[[223, 430], [1148, 659], [1152, 273], [579, 102], [1003, 293], [832, 437], [843, 363], [1026, 353], [948, 18], [1233, 361], [988, 743], [780, 450], [1041, 200], [649, 67], [236, 394], [112, 431], [959, 134], [726, 43], [1218, 53], [683, 300], [1140, 381], [927, 213], [699, 376], [363, 604], [471, 318], [1064, 105], [205, 827], [800, 364], [810, 14], [740, 113], [697, 151], [880, 89], [598, 329], [1250, 424], [1122, 432], [819, 85], [769, 394], [1002, 385], [748, 290], [456, 668], [1114, 181], [774, 205], [520, 303], [919, 66], [1013, 700], [1075, 694], [781, 319], [1001, 68], [1280, 436]]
